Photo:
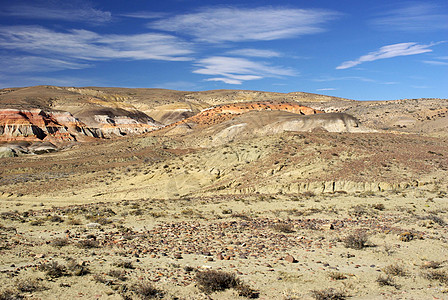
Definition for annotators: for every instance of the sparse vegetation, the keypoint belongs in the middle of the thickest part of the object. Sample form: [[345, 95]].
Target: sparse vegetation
[[9, 294], [213, 281], [357, 240], [124, 264], [54, 269], [328, 294], [431, 265], [59, 242], [146, 290], [337, 276], [282, 214], [394, 270], [436, 275], [283, 227], [88, 244], [386, 281], [29, 285], [118, 274]]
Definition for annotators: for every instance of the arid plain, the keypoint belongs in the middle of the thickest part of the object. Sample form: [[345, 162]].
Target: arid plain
[[113, 193]]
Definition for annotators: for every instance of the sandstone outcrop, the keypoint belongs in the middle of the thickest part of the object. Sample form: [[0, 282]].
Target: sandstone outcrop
[[35, 125], [222, 113], [39, 125]]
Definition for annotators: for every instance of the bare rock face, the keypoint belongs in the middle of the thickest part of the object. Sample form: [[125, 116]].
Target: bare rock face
[[222, 113], [272, 122], [38, 125], [30, 125]]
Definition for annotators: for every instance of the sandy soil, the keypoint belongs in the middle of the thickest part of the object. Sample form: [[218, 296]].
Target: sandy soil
[[167, 242]]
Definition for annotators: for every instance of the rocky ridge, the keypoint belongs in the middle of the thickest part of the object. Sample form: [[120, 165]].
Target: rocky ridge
[[218, 114]]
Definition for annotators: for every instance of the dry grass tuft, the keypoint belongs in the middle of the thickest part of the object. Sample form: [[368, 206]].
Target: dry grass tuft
[[328, 294], [214, 281], [386, 281], [356, 241], [395, 270], [29, 285], [437, 275], [145, 290], [337, 276]]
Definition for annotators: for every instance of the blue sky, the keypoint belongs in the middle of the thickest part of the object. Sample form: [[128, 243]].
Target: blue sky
[[363, 50]]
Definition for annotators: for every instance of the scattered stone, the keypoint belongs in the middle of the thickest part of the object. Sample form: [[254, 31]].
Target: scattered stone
[[290, 258], [93, 225]]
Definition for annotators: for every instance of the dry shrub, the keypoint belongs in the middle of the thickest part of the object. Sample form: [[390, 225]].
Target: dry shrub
[[101, 279], [76, 268], [29, 285], [328, 294], [146, 290], [124, 264], [73, 221], [395, 270], [118, 274], [283, 227], [356, 241], [378, 206], [55, 219], [54, 269], [438, 275], [431, 265], [245, 290], [8, 294], [337, 276], [386, 281], [59, 242], [214, 281], [88, 244]]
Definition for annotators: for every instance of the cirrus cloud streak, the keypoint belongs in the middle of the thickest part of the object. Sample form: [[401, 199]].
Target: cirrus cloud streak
[[389, 51], [233, 70], [230, 24], [88, 45]]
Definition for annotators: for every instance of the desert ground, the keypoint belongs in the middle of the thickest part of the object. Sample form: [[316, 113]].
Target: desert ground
[[157, 194]]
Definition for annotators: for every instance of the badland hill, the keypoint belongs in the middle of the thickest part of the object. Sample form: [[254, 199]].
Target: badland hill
[[299, 195]]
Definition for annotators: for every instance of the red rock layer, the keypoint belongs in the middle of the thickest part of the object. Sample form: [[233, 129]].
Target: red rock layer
[[36, 125], [226, 112]]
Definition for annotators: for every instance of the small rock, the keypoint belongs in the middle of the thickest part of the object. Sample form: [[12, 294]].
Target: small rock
[[93, 225], [220, 256], [290, 258]]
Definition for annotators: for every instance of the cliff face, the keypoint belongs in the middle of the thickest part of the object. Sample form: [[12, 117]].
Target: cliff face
[[38, 125]]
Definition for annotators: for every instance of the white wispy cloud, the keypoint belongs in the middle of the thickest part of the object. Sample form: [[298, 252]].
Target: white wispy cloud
[[329, 78], [234, 70], [225, 24], [255, 53], [436, 63], [23, 64], [88, 45], [389, 51], [143, 15], [73, 11], [326, 89], [416, 16]]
